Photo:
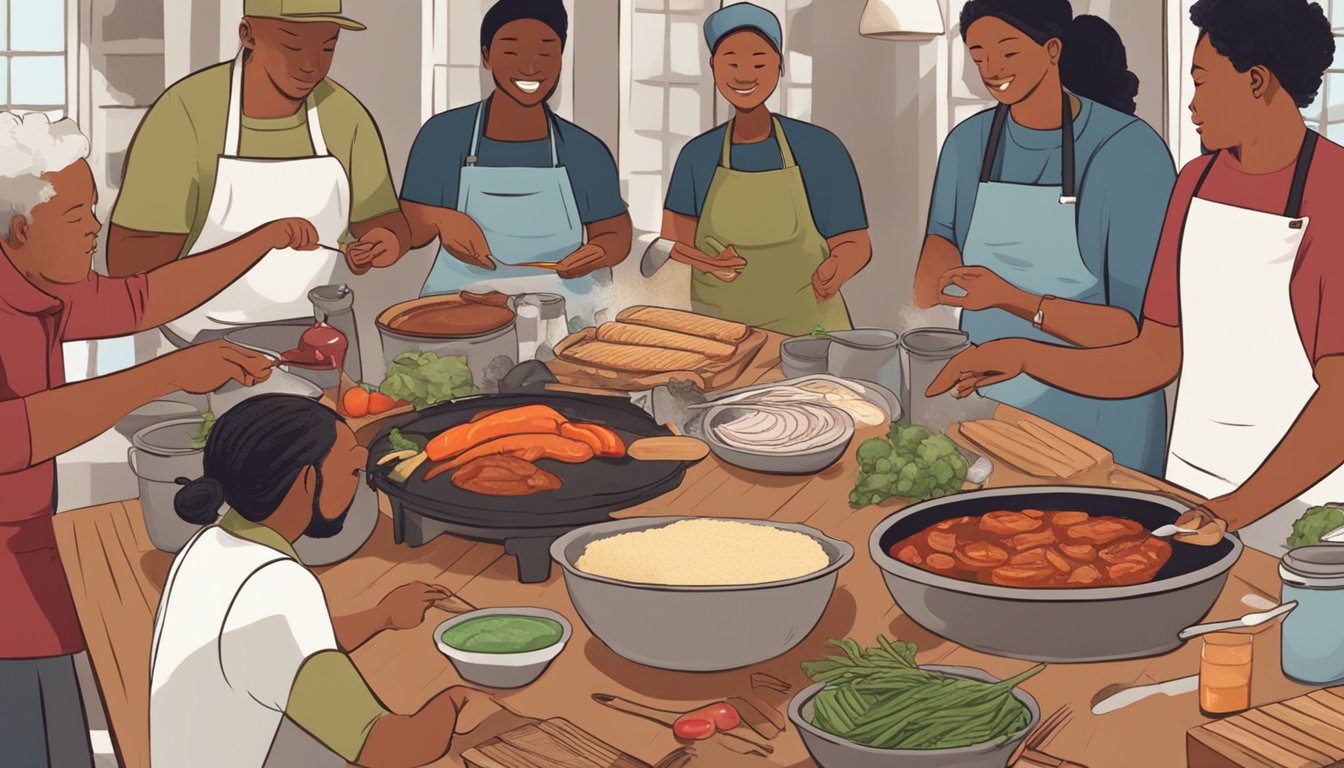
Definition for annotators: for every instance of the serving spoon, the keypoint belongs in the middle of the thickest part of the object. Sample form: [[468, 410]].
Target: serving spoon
[[1249, 620], [1171, 530]]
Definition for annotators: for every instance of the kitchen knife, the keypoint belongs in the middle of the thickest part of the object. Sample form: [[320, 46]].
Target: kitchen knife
[[1126, 696], [655, 256]]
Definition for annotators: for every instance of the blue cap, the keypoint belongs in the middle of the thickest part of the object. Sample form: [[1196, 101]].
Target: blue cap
[[739, 16]]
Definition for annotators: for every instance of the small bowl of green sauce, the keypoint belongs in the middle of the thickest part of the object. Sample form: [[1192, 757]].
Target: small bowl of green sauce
[[503, 647]]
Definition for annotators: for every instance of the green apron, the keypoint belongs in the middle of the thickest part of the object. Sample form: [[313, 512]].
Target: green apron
[[766, 217]]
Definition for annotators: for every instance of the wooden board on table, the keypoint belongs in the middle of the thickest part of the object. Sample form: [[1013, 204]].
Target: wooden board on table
[[1028, 450], [716, 376], [554, 743], [1305, 732]]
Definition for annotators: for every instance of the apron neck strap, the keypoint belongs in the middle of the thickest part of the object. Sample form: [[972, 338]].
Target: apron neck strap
[[233, 132], [1067, 174], [483, 111], [785, 151], [1293, 210]]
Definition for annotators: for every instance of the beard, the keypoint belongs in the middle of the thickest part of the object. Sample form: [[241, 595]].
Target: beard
[[320, 527]]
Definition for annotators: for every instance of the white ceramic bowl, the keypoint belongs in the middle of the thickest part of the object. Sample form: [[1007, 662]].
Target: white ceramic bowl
[[503, 670]]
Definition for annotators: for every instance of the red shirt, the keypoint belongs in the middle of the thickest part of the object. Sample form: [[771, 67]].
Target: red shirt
[[37, 614], [1317, 285]]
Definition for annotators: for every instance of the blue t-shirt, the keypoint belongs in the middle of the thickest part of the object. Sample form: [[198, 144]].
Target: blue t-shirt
[[828, 173], [442, 146], [1124, 180]]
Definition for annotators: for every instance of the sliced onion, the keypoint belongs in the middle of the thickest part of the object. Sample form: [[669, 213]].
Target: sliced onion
[[785, 428]]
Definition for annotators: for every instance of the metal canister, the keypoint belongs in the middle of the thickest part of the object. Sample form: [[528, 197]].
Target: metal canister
[[335, 305], [928, 350], [1313, 634]]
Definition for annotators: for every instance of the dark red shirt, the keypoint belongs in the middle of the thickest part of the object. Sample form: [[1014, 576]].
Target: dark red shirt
[[1317, 286], [37, 614]]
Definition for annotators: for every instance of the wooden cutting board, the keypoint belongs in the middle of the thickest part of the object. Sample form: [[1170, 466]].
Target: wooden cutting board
[[1305, 732], [718, 375], [554, 743], [1026, 449]]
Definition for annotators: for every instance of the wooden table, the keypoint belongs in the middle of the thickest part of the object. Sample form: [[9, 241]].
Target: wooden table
[[116, 576]]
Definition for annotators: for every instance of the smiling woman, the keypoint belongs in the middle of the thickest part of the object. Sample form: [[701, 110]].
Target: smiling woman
[[1046, 210], [767, 211], [521, 200]]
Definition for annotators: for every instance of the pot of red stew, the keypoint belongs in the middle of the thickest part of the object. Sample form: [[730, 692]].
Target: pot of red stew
[[1056, 574]]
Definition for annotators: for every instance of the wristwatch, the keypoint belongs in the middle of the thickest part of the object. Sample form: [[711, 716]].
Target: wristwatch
[[1038, 322]]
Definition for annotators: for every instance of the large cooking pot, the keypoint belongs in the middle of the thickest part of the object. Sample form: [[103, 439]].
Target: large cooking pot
[[1057, 625], [486, 335], [159, 455]]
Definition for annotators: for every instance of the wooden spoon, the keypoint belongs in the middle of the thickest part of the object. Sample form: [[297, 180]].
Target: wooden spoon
[[670, 448]]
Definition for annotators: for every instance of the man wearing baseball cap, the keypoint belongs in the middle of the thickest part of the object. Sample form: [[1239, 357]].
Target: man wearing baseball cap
[[766, 210], [264, 136]]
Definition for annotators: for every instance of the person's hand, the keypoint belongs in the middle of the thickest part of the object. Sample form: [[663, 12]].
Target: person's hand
[[980, 366], [984, 289], [207, 367], [727, 266], [589, 258], [378, 248], [1209, 525], [473, 707], [829, 277], [298, 234], [462, 237], [405, 607]]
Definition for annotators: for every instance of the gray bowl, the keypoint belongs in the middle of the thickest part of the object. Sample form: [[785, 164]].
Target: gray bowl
[[804, 356], [697, 629], [808, 462], [831, 751], [503, 670], [1057, 625]]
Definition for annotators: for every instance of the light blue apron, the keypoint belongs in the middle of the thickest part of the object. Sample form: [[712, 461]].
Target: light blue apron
[[1028, 235], [527, 214]]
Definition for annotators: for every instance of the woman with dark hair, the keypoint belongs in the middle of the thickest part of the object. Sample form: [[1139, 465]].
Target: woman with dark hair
[[1245, 302], [767, 211], [506, 185], [1046, 210], [243, 632]]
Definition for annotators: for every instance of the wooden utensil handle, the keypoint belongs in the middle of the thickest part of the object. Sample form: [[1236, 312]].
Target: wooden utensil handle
[[662, 716]]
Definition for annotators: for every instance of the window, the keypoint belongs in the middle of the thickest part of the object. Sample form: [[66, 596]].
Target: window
[[32, 56], [1326, 113]]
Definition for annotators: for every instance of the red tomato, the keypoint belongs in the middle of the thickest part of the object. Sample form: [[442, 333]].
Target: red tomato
[[692, 728], [724, 716]]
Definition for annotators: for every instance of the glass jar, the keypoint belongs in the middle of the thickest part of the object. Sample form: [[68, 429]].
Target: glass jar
[[928, 350], [1313, 634], [1225, 673], [542, 324]]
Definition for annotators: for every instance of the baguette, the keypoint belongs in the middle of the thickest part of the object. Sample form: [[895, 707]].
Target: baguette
[[634, 358], [645, 336], [686, 322]]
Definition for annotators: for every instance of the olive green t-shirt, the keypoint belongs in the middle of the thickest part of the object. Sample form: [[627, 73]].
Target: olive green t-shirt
[[170, 172]]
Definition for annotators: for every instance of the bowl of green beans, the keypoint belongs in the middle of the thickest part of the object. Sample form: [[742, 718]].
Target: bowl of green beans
[[876, 708]]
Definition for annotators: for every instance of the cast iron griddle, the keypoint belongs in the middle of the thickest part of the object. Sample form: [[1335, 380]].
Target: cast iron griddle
[[525, 524]]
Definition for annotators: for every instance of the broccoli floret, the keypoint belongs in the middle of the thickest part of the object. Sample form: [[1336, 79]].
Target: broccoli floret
[[1315, 523]]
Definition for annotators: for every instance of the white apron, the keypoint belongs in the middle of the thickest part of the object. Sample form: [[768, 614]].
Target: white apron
[[250, 192], [1245, 376]]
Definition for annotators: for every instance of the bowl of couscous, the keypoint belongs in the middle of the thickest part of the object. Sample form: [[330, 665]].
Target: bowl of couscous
[[700, 594]]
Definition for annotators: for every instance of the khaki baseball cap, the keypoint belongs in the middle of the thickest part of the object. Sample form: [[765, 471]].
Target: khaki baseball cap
[[300, 10]]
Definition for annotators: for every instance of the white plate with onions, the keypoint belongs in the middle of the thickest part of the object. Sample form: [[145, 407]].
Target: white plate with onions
[[784, 438]]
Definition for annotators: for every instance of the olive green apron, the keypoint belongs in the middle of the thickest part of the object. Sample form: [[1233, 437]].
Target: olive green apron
[[766, 217]]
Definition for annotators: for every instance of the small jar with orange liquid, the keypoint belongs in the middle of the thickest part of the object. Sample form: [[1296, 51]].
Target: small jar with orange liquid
[[1225, 674]]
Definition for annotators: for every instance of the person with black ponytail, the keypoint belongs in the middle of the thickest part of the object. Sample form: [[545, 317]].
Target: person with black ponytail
[[1046, 210], [1246, 300], [243, 637]]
